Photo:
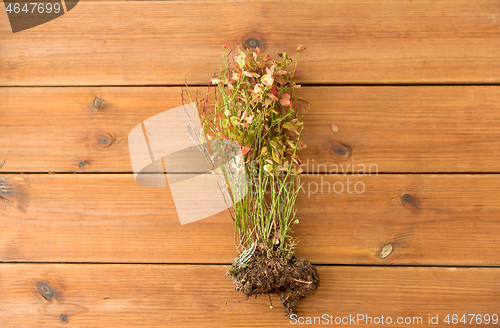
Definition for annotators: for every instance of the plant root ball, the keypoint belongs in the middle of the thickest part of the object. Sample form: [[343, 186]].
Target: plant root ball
[[290, 281]]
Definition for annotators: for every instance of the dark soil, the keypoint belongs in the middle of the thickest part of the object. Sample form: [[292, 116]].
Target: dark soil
[[290, 282]]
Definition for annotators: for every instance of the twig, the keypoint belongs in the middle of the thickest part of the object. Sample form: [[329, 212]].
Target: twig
[[226, 305], [302, 281]]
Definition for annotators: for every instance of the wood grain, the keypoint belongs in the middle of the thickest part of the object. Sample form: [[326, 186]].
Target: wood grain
[[166, 42], [394, 129], [195, 296], [427, 219]]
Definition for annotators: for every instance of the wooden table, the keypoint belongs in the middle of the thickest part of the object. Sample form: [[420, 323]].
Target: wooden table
[[412, 85]]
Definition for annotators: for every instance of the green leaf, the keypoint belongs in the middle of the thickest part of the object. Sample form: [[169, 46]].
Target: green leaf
[[290, 126], [234, 120], [276, 158]]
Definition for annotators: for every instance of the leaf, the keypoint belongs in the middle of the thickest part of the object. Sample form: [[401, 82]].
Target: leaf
[[250, 74], [296, 159], [223, 136], [274, 91], [267, 80], [291, 144], [334, 128], [285, 96], [273, 97], [245, 113], [276, 158], [268, 167], [298, 72], [245, 150], [285, 102], [234, 120], [278, 79], [290, 126]]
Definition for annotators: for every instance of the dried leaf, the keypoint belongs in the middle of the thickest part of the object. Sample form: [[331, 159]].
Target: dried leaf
[[334, 128]]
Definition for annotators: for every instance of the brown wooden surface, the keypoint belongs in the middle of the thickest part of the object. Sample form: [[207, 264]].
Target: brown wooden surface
[[398, 249], [398, 129], [166, 42], [449, 220], [195, 296]]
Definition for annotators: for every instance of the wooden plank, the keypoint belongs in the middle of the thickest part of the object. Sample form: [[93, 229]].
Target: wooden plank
[[427, 219], [195, 296], [398, 129], [108, 43]]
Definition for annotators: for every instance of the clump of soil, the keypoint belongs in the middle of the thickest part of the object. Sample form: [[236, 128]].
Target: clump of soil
[[262, 275]]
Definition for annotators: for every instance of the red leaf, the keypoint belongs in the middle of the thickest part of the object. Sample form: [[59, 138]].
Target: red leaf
[[274, 90], [244, 150], [223, 136], [334, 128]]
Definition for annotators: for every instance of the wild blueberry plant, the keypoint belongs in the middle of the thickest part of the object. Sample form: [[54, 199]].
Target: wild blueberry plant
[[253, 105]]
